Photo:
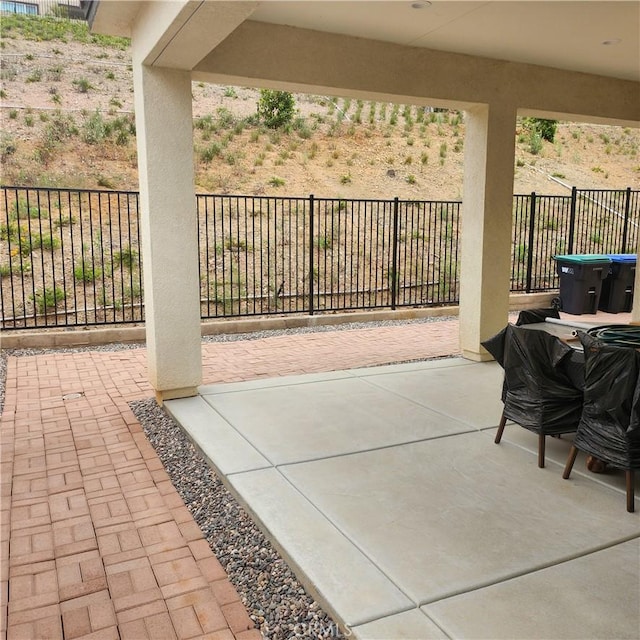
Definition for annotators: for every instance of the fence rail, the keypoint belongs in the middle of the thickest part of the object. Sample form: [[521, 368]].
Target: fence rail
[[72, 257]]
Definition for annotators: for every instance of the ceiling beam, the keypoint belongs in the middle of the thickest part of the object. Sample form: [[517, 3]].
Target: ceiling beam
[[179, 33], [262, 54]]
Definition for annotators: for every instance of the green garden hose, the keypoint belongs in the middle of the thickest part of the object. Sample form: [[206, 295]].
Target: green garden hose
[[617, 334]]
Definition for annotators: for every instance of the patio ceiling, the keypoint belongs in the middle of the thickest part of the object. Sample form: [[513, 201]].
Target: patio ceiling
[[601, 38]]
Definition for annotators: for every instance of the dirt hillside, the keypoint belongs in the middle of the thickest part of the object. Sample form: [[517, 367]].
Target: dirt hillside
[[67, 121]]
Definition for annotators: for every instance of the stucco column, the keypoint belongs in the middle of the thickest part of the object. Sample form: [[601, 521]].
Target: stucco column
[[486, 225], [168, 229]]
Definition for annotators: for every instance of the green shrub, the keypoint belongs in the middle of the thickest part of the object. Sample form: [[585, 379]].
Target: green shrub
[[211, 152], [47, 28], [82, 85], [7, 146], [535, 143], [276, 108], [47, 299], [545, 128], [64, 221], [104, 181], [225, 118], [276, 182], [86, 272], [44, 241], [95, 129], [322, 242], [61, 127], [34, 76], [21, 211], [235, 244], [9, 231], [126, 257]]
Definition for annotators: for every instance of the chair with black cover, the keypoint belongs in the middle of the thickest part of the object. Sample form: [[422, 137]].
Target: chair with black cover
[[609, 429], [538, 392]]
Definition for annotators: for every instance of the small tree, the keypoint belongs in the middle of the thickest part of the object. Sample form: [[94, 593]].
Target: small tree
[[276, 108], [546, 128]]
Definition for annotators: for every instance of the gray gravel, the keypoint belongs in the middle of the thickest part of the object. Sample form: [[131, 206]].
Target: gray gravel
[[275, 599]]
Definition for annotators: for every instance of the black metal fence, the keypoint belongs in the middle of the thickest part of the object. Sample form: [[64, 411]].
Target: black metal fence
[[69, 258], [262, 255], [587, 221], [72, 257]]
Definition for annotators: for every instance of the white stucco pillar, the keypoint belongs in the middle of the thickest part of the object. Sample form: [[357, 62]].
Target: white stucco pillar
[[168, 229], [486, 225]]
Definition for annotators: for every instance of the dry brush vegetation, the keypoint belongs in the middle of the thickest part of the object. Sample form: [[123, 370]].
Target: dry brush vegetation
[[68, 122]]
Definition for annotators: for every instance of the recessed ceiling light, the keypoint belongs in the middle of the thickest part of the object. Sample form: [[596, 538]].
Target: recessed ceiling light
[[612, 41], [420, 4]]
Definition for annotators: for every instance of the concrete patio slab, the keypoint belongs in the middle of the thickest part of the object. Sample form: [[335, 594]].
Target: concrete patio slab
[[318, 550], [297, 422], [268, 383], [225, 448], [603, 586], [464, 508], [392, 474], [409, 625], [476, 403]]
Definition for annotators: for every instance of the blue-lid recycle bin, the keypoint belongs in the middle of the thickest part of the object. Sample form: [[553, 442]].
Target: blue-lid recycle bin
[[617, 288], [581, 277]]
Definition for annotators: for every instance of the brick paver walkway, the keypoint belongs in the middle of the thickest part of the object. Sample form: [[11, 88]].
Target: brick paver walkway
[[96, 542]]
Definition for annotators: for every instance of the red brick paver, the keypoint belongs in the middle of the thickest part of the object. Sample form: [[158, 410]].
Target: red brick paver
[[95, 541]]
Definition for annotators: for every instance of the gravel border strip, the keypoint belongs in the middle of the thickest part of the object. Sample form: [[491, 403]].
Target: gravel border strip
[[276, 601]]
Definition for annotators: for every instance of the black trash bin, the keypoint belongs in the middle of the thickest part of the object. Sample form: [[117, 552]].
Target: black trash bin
[[581, 277], [617, 288]]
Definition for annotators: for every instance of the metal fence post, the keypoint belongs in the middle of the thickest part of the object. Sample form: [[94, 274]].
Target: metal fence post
[[625, 229], [394, 267], [532, 224], [572, 218], [311, 273]]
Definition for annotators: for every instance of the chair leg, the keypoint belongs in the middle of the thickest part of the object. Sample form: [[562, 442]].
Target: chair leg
[[573, 454], [541, 443], [630, 491], [503, 421]]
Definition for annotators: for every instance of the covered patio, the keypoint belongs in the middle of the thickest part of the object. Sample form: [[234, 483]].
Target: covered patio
[[382, 487], [492, 60]]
